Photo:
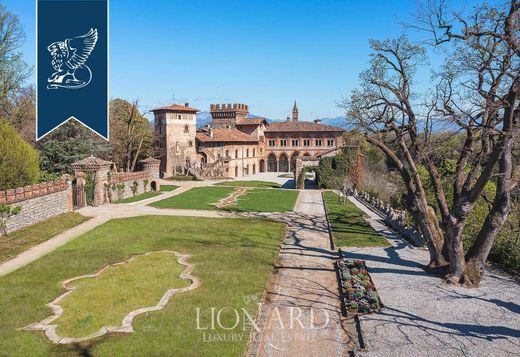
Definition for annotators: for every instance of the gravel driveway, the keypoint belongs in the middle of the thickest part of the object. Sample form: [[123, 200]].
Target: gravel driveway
[[426, 317]]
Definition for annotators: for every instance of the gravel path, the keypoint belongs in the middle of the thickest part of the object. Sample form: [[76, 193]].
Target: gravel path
[[304, 289], [426, 317]]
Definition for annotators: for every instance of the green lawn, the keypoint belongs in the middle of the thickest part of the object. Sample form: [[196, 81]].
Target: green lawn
[[25, 238], [202, 198], [349, 228], [137, 198], [233, 260], [265, 200], [261, 184], [168, 188], [139, 283]]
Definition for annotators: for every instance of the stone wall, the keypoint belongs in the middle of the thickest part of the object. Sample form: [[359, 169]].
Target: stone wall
[[127, 180], [395, 219], [39, 202]]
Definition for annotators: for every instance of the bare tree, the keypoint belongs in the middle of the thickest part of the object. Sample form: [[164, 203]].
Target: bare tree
[[130, 133], [479, 91], [384, 109], [13, 70]]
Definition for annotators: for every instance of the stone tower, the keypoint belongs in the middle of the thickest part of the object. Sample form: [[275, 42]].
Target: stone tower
[[295, 113], [175, 128], [226, 115]]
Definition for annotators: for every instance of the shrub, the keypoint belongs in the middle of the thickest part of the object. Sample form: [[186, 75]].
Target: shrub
[[134, 187], [6, 212], [89, 189], [19, 162], [145, 184], [332, 169]]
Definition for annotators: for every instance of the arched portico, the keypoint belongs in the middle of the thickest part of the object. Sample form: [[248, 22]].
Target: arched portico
[[272, 163], [283, 163]]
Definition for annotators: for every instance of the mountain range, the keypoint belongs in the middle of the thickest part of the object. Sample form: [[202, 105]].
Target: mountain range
[[204, 118]]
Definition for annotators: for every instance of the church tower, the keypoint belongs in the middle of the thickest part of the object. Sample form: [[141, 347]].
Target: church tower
[[295, 113]]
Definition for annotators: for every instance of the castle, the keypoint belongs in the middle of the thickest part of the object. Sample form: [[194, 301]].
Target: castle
[[237, 143]]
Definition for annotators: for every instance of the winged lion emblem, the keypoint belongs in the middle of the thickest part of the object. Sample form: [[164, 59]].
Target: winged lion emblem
[[68, 60]]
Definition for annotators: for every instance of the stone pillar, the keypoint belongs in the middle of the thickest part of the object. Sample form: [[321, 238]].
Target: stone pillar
[[68, 182], [297, 173]]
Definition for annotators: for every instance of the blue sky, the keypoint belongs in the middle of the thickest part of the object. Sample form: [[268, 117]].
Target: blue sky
[[262, 53]]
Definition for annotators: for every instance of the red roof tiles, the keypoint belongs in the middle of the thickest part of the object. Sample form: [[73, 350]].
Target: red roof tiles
[[176, 108], [225, 135], [291, 126]]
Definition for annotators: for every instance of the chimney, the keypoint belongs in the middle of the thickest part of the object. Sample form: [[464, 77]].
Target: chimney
[[317, 121], [186, 104]]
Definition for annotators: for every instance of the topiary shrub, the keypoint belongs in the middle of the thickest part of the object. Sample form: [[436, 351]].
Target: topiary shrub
[[19, 161], [134, 187]]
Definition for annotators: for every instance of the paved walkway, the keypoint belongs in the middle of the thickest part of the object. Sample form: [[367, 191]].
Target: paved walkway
[[302, 315], [426, 317]]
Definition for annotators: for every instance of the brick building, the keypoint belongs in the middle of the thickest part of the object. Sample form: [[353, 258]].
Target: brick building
[[237, 143]]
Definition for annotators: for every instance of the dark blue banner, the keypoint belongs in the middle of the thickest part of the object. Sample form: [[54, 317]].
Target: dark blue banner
[[72, 64]]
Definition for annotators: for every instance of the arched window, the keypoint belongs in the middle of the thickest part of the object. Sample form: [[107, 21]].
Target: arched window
[[227, 153], [247, 152], [236, 154], [186, 129], [179, 116], [254, 152]]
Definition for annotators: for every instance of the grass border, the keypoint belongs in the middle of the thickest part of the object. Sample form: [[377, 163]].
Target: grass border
[[126, 325]]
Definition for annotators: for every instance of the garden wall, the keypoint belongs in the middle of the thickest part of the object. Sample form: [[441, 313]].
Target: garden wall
[[393, 218], [39, 202], [124, 183]]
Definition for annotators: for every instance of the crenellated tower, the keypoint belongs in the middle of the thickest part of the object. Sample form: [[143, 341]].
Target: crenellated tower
[[226, 115]]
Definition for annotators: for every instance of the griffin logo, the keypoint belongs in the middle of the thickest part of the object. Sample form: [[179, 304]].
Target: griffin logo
[[68, 60]]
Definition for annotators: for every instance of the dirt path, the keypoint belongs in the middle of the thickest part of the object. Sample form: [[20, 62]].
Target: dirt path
[[302, 315]]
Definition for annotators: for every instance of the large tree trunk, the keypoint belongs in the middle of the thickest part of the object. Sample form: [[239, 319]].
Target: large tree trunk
[[430, 229], [497, 216], [454, 228]]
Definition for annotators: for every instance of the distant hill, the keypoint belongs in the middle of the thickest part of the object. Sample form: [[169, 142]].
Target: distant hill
[[204, 118]]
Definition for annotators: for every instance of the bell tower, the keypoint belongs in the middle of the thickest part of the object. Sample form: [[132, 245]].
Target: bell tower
[[295, 113]]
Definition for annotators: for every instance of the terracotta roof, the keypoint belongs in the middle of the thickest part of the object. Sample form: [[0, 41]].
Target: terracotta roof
[[176, 108], [225, 135], [91, 162], [252, 121], [291, 126], [150, 160]]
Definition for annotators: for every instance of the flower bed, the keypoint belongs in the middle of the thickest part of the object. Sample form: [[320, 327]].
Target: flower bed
[[358, 290]]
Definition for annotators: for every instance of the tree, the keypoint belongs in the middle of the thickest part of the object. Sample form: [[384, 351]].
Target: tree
[[477, 92], [13, 70], [130, 134], [20, 110], [69, 143], [383, 109], [19, 162]]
